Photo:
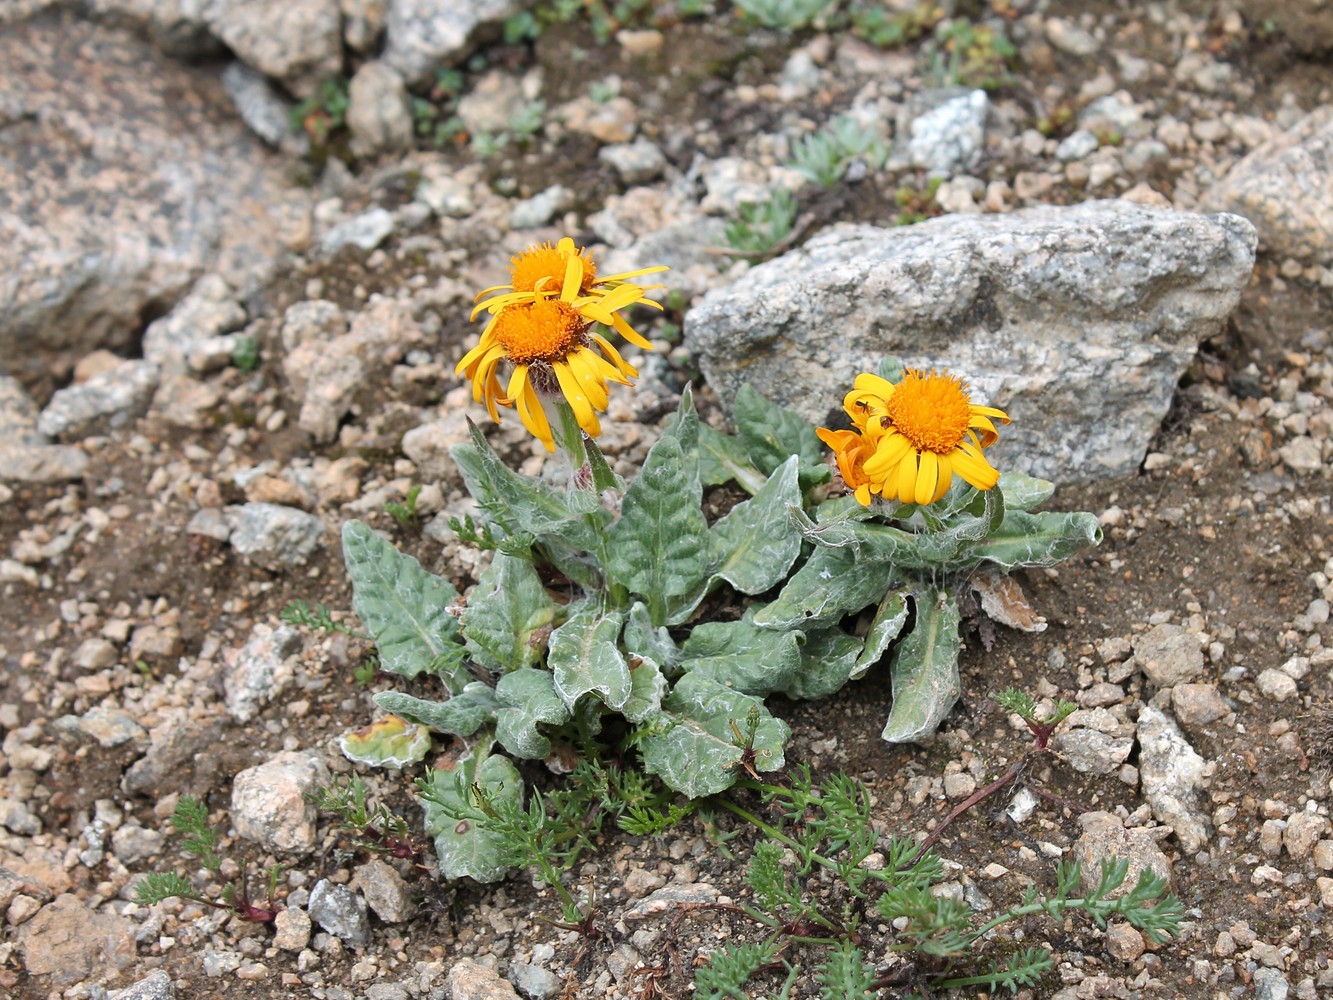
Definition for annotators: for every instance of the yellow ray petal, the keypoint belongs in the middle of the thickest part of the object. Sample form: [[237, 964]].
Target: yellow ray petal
[[905, 488], [866, 382], [626, 369], [582, 364], [534, 417], [615, 279], [573, 277], [927, 477], [945, 477], [890, 450], [578, 401], [972, 466], [629, 333]]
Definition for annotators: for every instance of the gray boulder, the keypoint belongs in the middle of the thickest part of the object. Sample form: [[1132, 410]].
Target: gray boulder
[[379, 112], [177, 27], [264, 108], [210, 310], [1077, 321], [108, 400], [1285, 187], [326, 373], [114, 198], [1174, 779], [424, 35], [296, 41]]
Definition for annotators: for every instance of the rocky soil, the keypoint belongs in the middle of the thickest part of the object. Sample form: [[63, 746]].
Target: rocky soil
[[222, 336]]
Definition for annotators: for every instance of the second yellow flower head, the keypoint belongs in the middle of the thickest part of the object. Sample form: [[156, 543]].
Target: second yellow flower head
[[913, 437], [542, 322]]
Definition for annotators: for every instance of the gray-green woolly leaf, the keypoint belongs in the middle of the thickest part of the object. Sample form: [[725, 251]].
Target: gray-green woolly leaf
[[386, 742], [643, 638], [527, 699], [722, 457], [773, 434], [748, 659], [659, 547], [463, 846], [833, 525], [754, 545], [405, 609], [681, 609], [890, 617], [585, 657], [828, 661], [1041, 539], [519, 503], [461, 715], [691, 745], [648, 685], [1023, 492], [603, 476], [832, 583], [505, 614], [924, 671]]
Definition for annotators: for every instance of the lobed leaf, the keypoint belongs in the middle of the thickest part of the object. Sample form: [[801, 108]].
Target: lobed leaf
[[833, 582], [405, 609], [773, 434], [463, 846], [828, 661], [1024, 492], [887, 625], [1042, 539], [722, 458], [749, 659], [647, 686], [643, 638], [386, 742]]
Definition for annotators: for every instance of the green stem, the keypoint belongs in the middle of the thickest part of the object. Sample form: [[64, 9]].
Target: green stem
[[1053, 907], [777, 834]]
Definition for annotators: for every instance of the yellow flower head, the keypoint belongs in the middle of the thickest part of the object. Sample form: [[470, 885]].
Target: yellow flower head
[[912, 438], [542, 322]]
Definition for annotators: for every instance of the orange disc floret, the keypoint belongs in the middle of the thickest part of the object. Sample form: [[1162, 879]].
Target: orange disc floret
[[542, 268], [544, 330]]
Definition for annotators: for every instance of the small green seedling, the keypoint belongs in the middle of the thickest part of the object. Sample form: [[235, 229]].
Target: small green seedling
[[191, 819]]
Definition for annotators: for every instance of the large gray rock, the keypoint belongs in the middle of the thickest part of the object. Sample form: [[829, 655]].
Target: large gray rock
[[177, 27], [115, 197], [108, 400], [264, 108], [424, 35], [26, 456], [274, 536], [1173, 778], [1285, 187], [326, 372], [269, 804], [296, 41], [1077, 321], [379, 111], [210, 310]]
